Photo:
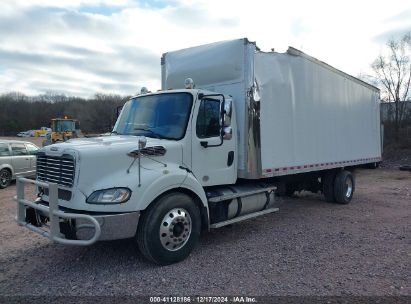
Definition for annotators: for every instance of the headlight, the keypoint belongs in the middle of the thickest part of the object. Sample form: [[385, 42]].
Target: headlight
[[109, 196]]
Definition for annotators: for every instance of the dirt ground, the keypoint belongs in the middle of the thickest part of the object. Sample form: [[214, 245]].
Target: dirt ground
[[309, 247]]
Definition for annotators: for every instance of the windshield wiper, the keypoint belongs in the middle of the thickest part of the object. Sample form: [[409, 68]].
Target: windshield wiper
[[151, 131], [115, 132]]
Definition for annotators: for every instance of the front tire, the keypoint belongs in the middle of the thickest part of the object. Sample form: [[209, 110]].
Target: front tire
[[5, 178], [344, 186], [169, 229]]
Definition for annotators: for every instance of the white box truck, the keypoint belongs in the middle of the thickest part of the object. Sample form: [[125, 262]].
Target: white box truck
[[231, 127]]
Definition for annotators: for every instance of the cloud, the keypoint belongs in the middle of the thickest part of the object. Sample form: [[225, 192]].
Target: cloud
[[400, 17], [85, 46], [297, 26], [102, 71], [397, 33], [87, 49], [196, 16], [39, 24], [397, 24]]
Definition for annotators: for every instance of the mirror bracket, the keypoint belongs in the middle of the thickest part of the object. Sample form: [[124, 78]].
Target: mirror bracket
[[204, 144]]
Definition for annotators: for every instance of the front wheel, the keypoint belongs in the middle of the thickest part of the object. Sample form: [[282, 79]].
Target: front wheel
[[169, 229]]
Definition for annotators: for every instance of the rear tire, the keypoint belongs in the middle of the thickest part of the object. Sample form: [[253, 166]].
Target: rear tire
[[344, 186], [169, 229], [5, 178], [328, 186]]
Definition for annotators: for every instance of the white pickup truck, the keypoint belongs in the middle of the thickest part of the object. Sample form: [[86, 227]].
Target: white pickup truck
[[191, 158]]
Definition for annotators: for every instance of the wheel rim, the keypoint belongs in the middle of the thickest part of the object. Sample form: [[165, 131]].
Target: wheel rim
[[348, 185], [4, 178], [175, 229]]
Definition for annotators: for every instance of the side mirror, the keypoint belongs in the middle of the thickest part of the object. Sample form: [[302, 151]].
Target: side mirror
[[227, 133], [227, 112], [228, 107], [227, 120]]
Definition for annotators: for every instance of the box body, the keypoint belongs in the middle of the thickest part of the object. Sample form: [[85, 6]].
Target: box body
[[294, 113]]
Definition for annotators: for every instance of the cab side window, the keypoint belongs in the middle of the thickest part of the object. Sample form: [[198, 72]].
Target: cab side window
[[208, 119], [18, 149], [32, 149], [4, 150]]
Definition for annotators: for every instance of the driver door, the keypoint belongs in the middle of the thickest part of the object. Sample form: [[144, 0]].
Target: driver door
[[213, 159]]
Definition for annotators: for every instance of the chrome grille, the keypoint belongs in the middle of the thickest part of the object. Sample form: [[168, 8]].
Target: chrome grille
[[56, 169]]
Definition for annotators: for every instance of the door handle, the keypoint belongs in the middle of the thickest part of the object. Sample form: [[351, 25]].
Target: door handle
[[230, 158]]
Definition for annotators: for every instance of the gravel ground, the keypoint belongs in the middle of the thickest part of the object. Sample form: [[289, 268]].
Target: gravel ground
[[309, 247]]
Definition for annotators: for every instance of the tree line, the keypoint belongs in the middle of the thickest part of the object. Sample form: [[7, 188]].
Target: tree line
[[19, 112], [392, 70]]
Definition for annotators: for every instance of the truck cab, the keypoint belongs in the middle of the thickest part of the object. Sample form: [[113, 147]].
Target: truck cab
[[199, 121], [165, 150]]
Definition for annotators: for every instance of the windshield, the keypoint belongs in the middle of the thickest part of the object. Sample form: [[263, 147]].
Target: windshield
[[63, 125], [160, 116]]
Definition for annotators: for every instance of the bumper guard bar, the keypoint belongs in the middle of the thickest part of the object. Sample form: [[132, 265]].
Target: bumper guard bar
[[54, 214]]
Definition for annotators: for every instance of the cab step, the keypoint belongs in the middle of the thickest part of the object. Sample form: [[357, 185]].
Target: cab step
[[240, 193], [243, 218]]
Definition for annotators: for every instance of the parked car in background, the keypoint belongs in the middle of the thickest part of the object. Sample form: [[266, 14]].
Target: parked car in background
[[17, 158], [24, 134]]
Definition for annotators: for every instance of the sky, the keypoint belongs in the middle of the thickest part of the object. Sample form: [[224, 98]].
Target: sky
[[84, 47]]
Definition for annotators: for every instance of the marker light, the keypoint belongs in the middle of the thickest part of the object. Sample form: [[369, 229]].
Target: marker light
[[189, 83]]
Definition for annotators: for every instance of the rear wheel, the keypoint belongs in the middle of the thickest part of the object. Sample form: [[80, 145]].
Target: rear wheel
[[169, 229], [5, 178], [328, 186], [344, 186]]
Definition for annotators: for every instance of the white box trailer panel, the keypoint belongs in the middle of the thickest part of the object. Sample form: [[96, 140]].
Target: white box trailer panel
[[313, 116], [294, 113]]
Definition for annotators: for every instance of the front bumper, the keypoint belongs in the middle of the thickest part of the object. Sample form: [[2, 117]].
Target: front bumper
[[113, 226], [70, 228]]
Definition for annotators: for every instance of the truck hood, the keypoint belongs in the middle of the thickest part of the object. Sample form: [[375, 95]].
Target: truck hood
[[103, 162], [106, 143]]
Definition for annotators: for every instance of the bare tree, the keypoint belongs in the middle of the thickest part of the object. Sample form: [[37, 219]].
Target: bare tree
[[393, 71]]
